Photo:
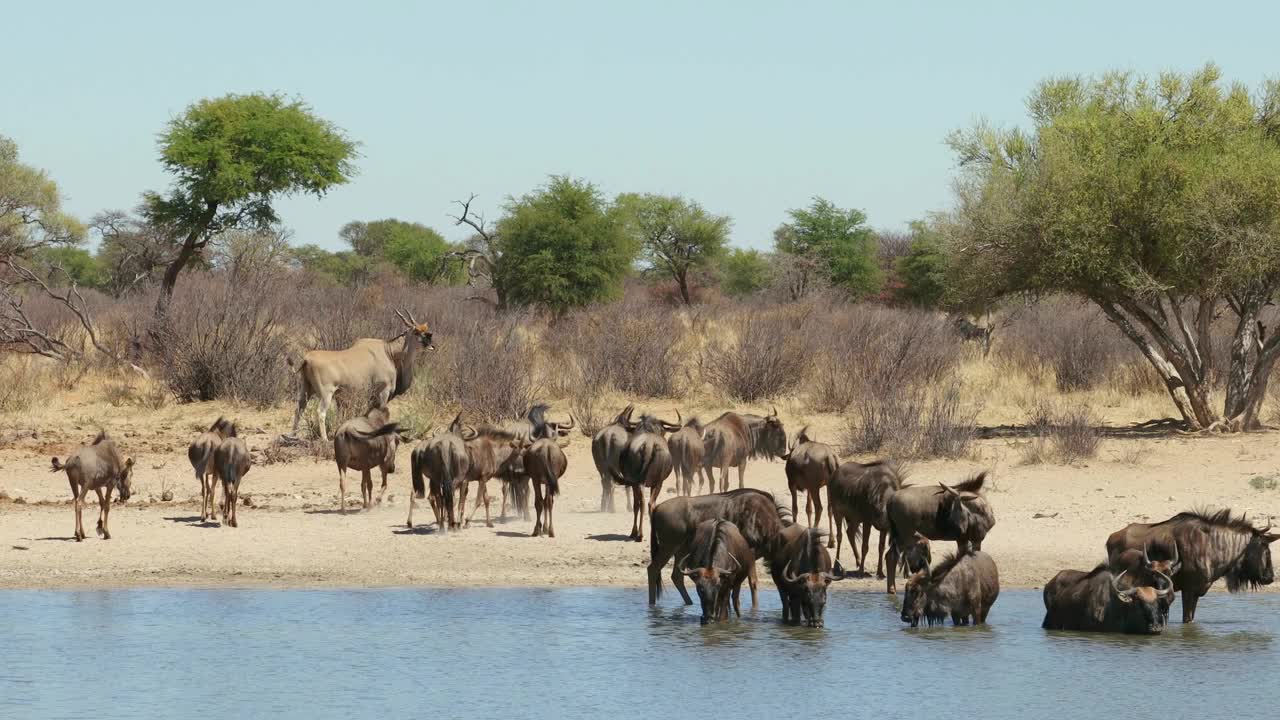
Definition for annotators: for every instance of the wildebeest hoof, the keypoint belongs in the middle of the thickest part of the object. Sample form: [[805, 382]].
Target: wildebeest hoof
[[879, 575]]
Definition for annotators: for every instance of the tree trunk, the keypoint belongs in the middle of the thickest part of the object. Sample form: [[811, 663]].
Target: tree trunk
[[189, 246], [682, 279]]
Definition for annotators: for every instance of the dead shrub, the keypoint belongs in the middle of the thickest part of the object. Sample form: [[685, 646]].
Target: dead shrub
[[225, 339], [863, 349], [1067, 339], [920, 422], [628, 346], [1063, 435], [486, 370], [23, 382], [761, 355]]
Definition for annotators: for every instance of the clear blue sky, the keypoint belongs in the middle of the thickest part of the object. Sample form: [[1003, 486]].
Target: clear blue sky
[[750, 108]]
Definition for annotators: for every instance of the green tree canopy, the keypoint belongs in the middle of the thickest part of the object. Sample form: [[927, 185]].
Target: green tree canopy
[[743, 272], [416, 250], [1156, 198], [72, 264], [562, 246], [922, 271], [31, 214], [230, 158], [836, 240], [340, 268], [677, 237]]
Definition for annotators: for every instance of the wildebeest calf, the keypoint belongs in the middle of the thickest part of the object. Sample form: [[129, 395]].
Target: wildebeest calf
[[101, 468], [963, 587], [200, 453], [232, 461]]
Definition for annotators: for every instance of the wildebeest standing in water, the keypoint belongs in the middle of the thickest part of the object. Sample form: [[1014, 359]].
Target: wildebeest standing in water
[[1210, 545], [364, 443], [810, 466], [606, 451], [686, 453], [963, 587], [369, 362], [1097, 602], [859, 497], [957, 513], [1141, 569], [718, 561], [801, 569], [544, 462], [645, 463], [232, 461], [444, 461], [675, 521], [200, 453], [101, 468], [732, 439]]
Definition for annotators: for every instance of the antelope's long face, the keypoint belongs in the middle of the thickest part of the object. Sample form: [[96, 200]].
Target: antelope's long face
[[423, 333]]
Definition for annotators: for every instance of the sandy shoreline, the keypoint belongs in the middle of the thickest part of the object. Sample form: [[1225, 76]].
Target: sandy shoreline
[[294, 537]]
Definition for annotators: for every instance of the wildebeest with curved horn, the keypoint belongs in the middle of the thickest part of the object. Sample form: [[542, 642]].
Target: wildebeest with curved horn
[[1210, 545], [718, 561], [368, 363], [200, 453], [606, 451], [674, 523], [645, 463], [1097, 602], [801, 570], [364, 443], [1142, 569], [810, 466], [732, 439], [686, 453], [544, 462], [963, 587], [957, 512], [443, 460], [859, 497], [98, 467], [232, 461]]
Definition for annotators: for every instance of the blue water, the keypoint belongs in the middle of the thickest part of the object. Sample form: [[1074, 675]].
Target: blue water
[[602, 653]]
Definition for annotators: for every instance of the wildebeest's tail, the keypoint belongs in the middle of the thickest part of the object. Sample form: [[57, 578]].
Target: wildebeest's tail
[[518, 487], [655, 578], [415, 472], [388, 429], [446, 488], [58, 465], [553, 484], [894, 547], [784, 514]]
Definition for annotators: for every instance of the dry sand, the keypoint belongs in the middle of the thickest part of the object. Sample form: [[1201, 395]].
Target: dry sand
[[293, 535]]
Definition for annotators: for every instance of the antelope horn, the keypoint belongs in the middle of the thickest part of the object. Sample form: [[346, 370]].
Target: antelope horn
[[1146, 559], [680, 419], [786, 574], [408, 321], [468, 432], [1124, 595], [775, 410], [1167, 590], [733, 560], [680, 568], [1175, 560]]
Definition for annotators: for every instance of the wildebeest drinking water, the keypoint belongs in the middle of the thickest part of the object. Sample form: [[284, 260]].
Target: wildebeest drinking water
[[232, 461], [801, 570], [963, 587], [718, 561], [200, 453], [732, 439], [101, 468], [957, 512], [859, 497], [365, 443], [675, 521], [810, 466], [1210, 545], [1142, 569], [1097, 601]]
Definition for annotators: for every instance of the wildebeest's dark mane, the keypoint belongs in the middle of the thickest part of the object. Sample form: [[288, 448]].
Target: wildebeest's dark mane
[[973, 484], [1217, 518], [494, 433], [949, 561]]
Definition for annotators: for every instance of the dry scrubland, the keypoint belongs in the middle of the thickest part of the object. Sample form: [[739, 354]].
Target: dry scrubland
[[1060, 389]]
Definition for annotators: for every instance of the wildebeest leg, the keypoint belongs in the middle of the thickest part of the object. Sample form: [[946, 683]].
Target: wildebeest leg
[[831, 518], [232, 491], [754, 583], [77, 496], [104, 504], [366, 489], [808, 509], [412, 502], [1190, 598], [638, 498], [892, 562], [342, 490], [866, 548], [742, 474], [484, 497], [537, 508], [606, 494], [795, 502], [551, 504], [879, 555], [383, 490]]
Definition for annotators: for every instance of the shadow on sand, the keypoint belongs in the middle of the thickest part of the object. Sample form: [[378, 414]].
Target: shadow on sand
[[610, 537]]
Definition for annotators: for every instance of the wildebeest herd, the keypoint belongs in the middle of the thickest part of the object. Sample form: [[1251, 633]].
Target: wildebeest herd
[[715, 539]]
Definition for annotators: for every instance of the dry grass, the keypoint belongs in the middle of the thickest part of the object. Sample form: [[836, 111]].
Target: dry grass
[[1063, 435], [23, 382]]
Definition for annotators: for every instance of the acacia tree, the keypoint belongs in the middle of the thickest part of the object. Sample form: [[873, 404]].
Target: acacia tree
[[1158, 199], [562, 246], [231, 157], [835, 241], [677, 237]]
